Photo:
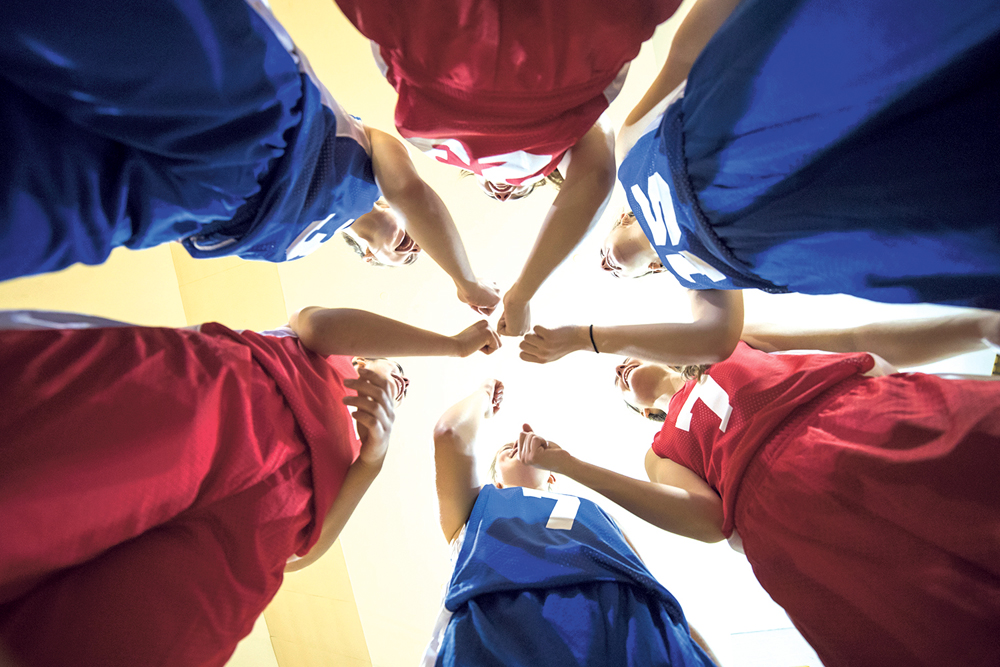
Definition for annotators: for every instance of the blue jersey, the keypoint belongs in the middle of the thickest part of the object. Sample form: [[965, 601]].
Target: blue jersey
[[519, 539], [322, 182], [187, 120], [548, 579], [664, 207], [833, 146]]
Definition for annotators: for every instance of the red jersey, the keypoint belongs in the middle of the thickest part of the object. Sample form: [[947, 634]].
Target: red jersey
[[504, 89], [715, 425]]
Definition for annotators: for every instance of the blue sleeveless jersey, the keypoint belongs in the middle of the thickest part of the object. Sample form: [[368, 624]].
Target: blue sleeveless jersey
[[664, 206], [548, 579], [520, 539], [833, 146], [322, 182], [154, 122]]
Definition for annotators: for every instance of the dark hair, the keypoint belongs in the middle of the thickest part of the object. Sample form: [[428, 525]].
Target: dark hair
[[399, 367], [553, 178], [658, 416], [356, 247]]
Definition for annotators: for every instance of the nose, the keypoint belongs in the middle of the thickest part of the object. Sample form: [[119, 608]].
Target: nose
[[605, 263], [620, 371]]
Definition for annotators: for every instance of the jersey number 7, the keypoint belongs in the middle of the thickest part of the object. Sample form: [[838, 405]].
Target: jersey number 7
[[563, 514]]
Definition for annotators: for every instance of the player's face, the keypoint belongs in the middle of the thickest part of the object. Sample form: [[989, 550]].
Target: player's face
[[390, 245], [502, 191], [626, 252], [512, 472], [642, 383], [389, 370]]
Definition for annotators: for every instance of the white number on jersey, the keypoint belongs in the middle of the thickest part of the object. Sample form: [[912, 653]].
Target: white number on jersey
[[661, 219], [563, 514], [711, 394]]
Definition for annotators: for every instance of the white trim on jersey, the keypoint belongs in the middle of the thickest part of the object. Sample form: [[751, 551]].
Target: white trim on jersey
[[444, 616], [33, 320]]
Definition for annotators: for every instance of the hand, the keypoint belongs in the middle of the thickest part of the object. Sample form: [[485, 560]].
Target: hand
[[482, 297], [494, 388], [516, 316], [374, 415], [477, 338], [539, 452], [544, 345]]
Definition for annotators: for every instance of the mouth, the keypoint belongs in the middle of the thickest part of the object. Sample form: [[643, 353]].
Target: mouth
[[401, 384], [626, 372], [407, 244]]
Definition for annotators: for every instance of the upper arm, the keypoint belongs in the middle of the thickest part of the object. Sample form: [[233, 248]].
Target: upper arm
[[592, 164], [394, 171], [718, 318], [457, 487], [665, 471]]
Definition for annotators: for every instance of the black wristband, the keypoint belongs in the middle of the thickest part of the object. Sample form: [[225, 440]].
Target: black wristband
[[592, 338]]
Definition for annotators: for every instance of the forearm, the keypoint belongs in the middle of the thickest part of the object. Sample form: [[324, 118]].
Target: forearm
[[668, 343], [348, 331], [359, 478], [574, 212], [430, 224], [667, 507], [903, 344]]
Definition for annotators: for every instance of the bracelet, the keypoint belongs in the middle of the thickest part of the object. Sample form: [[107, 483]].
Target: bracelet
[[592, 339]]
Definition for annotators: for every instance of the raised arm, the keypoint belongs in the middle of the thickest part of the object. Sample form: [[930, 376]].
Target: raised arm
[[704, 19], [903, 344], [710, 338], [349, 331], [427, 219], [374, 417], [454, 455], [574, 212], [676, 499]]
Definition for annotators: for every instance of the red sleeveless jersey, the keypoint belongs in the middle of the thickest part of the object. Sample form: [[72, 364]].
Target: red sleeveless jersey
[[504, 89], [715, 425]]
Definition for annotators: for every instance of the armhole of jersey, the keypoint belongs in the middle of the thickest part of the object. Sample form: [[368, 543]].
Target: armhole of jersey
[[281, 332], [444, 615], [630, 134], [347, 125]]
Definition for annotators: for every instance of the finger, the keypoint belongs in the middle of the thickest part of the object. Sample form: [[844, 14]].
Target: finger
[[370, 384], [370, 377], [526, 428], [493, 343], [529, 357], [486, 310], [377, 409], [541, 331]]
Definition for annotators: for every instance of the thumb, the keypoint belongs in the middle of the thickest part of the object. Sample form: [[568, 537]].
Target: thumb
[[526, 428]]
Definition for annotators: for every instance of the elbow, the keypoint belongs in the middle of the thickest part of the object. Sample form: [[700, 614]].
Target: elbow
[[719, 346]]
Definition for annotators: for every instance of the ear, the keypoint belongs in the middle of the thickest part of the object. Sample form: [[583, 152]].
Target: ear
[[359, 362], [499, 485], [552, 479], [646, 412], [657, 267]]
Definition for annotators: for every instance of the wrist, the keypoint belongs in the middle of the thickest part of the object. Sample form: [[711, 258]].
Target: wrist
[[519, 293], [367, 469], [563, 463]]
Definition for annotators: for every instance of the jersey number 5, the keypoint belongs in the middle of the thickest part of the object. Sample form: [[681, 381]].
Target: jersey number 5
[[563, 514]]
